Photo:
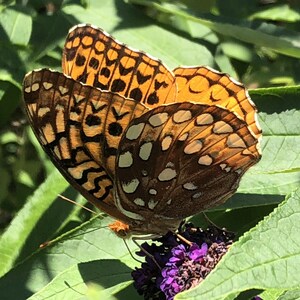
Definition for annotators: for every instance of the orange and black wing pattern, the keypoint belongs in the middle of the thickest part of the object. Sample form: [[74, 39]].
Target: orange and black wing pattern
[[71, 121], [93, 57], [205, 85]]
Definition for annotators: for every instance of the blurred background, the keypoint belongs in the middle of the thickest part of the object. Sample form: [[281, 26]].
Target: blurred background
[[257, 42]]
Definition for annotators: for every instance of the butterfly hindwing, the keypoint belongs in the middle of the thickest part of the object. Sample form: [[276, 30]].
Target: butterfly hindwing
[[208, 86], [197, 155]]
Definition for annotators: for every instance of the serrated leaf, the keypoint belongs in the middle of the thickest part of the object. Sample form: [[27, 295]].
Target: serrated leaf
[[266, 257], [279, 114]]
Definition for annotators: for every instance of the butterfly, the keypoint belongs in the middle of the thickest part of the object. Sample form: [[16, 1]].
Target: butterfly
[[146, 145]]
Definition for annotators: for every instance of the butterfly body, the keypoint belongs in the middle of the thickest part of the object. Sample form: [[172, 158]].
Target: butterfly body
[[144, 144]]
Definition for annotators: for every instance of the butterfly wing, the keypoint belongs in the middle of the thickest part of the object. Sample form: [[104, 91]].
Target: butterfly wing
[[93, 57], [179, 159], [205, 85], [66, 116]]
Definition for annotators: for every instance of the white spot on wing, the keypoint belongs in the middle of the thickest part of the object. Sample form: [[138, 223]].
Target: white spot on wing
[[238, 171], [204, 119], [182, 115], [183, 137], [158, 119], [228, 169], [130, 187], [221, 127], [193, 147], [134, 131], [190, 186], [78, 98], [35, 87], [247, 152], [145, 151], [47, 85], [42, 111], [170, 165], [167, 174], [223, 166], [205, 160], [27, 89], [152, 204], [152, 192], [197, 195], [139, 201], [166, 142], [125, 160], [235, 141], [63, 89], [144, 173]]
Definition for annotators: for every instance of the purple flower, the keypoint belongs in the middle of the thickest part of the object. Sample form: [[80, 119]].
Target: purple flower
[[177, 272], [174, 266]]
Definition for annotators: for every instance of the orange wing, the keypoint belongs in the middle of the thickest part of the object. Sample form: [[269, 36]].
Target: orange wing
[[205, 85], [93, 57], [70, 119], [177, 160]]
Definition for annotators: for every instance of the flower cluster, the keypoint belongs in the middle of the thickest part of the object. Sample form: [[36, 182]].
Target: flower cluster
[[174, 263]]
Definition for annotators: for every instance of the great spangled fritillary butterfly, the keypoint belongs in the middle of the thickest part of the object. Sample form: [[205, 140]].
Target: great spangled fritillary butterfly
[[147, 145]]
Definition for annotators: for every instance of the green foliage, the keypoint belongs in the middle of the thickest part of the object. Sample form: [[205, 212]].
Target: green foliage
[[256, 44]]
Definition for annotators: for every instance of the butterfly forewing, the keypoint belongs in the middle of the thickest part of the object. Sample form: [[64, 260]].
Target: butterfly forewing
[[104, 124], [58, 107], [93, 57], [205, 85], [182, 158]]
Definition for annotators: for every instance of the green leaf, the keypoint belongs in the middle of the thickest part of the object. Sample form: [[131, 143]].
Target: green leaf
[[238, 51], [266, 257], [13, 241], [256, 33], [9, 101], [45, 38], [110, 276], [277, 13], [171, 48], [290, 295], [271, 294], [108, 262], [16, 24], [279, 118]]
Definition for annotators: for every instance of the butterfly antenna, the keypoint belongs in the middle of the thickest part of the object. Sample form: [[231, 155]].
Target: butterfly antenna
[[139, 261], [48, 243], [75, 203]]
